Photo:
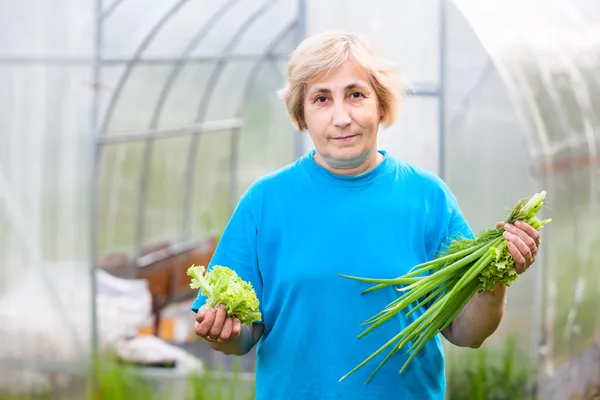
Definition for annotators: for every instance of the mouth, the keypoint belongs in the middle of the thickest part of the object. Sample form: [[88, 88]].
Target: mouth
[[345, 138]]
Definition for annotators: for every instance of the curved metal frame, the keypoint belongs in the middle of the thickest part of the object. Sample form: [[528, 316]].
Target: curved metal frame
[[234, 142], [564, 127], [529, 112], [184, 58], [102, 138], [164, 94], [234, 145], [195, 130], [95, 183], [190, 182], [150, 36], [104, 14]]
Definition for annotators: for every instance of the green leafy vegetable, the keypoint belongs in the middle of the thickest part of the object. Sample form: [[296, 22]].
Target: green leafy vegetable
[[447, 283], [222, 285]]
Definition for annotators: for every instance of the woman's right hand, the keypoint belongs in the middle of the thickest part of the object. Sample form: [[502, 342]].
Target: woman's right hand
[[214, 325]]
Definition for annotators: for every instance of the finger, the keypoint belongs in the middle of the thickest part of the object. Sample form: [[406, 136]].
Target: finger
[[524, 236], [499, 224], [530, 230], [518, 257], [217, 326], [227, 329], [524, 250], [203, 327], [237, 328], [201, 313]]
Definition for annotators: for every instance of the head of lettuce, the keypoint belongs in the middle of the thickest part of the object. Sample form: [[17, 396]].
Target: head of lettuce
[[222, 285]]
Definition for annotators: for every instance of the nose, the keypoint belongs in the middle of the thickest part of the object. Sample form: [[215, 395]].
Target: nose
[[341, 116]]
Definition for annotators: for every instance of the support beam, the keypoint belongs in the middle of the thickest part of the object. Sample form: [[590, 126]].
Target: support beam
[[194, 129]]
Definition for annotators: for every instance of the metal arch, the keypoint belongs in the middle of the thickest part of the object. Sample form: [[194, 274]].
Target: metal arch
[[183, 59], [212, 80], [110, 9], [136, 56], [218, 70], [522, 101], [463, 105], [234, 145], [300, 35], [277, 72], [95, 184], [164, 94], [255, 68], [519, 98], [585, 103], [583, 100], [442, 117]]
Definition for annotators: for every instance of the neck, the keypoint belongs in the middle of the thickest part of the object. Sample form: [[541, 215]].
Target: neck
[[350, 167]]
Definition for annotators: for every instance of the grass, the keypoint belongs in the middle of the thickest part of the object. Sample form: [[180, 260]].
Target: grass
[[115, 381], [490, 373], [484, 374], [121, 383], [573, 256]]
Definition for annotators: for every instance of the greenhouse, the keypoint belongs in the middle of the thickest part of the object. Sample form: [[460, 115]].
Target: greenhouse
[[130, 128]]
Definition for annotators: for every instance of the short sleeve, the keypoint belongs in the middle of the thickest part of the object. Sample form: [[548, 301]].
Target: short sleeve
[[458, 227], [449, 222], [237, 248]]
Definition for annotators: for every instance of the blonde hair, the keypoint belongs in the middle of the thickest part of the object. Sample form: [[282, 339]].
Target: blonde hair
[[323, 53]]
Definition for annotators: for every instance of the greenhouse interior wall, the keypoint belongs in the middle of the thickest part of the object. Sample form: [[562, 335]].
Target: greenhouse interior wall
[[129, 129]]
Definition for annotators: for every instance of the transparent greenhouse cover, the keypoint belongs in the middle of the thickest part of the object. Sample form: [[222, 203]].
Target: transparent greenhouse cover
[[45, 154], [545, 57], [550, 38], [523, 76], [48, 111]]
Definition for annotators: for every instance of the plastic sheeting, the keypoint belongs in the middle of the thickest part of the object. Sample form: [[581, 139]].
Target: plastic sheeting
[[166, 68], [410, 35], [46, 321], [530, 120], [204, 74], [521, 101], [521, 98], [45, 148]]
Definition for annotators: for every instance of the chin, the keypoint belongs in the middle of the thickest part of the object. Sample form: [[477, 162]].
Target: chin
[[350, 152]]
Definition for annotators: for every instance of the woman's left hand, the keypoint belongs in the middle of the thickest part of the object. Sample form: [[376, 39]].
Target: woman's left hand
[[523, 243]]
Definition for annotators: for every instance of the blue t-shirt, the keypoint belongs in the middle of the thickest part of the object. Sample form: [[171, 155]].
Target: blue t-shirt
[[293, 232]]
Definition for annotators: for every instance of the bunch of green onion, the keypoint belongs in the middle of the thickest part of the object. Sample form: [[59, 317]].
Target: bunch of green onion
[[447, 283]]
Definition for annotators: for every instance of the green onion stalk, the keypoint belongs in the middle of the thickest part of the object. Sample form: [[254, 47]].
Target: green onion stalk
[[443, 286]]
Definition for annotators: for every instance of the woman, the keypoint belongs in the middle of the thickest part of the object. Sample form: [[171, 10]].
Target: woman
[[343, 208]]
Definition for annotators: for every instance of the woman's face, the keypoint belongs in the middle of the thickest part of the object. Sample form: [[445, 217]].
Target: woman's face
[[342, 114]]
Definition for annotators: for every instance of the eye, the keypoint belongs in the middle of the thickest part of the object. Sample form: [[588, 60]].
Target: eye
[[320, 99], [356, 95]]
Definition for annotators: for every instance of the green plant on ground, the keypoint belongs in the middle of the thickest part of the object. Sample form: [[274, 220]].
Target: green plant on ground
[[484, 374], [112, 380], [119, 382]]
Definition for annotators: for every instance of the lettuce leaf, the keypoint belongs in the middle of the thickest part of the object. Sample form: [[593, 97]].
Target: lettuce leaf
[[501, 268], [222, 285]]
